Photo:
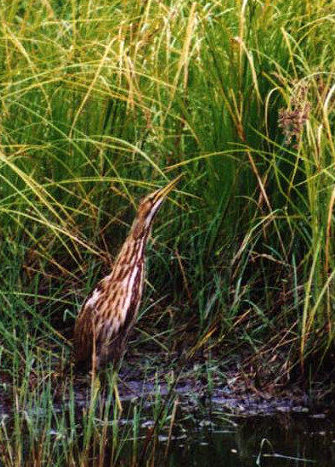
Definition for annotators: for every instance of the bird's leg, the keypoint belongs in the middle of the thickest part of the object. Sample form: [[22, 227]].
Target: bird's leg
[[109, 381], [95, 380], [116, 389], [115, 381]]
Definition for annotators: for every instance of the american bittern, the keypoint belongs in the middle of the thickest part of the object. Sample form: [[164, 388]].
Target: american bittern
[[109, 312]]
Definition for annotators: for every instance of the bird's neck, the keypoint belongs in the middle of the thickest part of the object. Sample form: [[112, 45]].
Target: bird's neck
[[133, 248], [140, 230]]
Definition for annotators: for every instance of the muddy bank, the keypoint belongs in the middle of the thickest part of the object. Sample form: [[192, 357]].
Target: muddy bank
[[213, 416], [195, 385]]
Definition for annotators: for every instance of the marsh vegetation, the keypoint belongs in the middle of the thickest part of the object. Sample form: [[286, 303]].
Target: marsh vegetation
[[102, 102]]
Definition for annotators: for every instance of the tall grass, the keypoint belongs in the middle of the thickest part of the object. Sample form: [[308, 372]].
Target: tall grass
[[100, 101], [49, 424]]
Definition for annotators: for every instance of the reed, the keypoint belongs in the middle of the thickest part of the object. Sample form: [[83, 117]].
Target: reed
[[99, 105]]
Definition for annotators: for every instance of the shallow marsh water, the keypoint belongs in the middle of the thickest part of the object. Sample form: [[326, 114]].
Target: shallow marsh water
[[274, 440], [247, 431], [218, 430], [210, 417]]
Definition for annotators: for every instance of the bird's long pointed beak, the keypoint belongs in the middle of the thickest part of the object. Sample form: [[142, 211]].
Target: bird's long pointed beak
[[163, 192]]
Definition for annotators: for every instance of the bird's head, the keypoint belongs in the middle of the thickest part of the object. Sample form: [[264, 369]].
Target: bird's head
[[150, 205]]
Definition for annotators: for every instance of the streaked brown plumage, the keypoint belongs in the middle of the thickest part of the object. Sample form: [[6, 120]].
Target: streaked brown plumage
[[109, 312]]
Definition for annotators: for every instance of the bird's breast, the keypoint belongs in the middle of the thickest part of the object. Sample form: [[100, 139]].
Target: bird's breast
[[122, 297]]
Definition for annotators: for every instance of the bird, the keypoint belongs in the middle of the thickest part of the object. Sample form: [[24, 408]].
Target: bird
[[109, 312]]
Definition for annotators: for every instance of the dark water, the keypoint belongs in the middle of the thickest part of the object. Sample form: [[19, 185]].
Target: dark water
[[281, 440], [232, 433], [235, 432]]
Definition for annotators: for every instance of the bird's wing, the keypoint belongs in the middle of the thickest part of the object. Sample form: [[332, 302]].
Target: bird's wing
[[108, 314], [84, 327]]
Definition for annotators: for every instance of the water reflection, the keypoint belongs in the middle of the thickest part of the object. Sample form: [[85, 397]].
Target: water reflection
[[203, 433], [267, 441]]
